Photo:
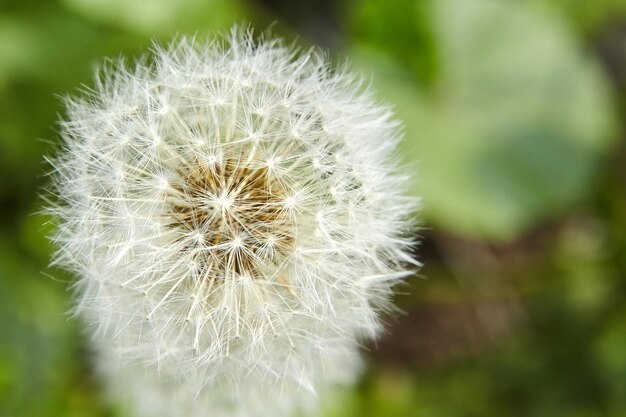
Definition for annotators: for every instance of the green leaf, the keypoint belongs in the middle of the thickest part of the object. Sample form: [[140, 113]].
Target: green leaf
[[158, 17], [38, 344], [514, 126], [589, 15]]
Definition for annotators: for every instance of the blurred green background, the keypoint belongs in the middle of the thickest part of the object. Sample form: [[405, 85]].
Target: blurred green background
[[514, 115]]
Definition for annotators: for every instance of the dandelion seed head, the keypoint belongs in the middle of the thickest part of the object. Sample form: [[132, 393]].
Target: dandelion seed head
[[236, 219]]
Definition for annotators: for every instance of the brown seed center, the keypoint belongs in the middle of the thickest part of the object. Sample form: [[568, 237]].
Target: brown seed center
[[234, 215]]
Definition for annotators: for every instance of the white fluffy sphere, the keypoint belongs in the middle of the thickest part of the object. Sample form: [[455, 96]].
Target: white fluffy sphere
[[236, 221]]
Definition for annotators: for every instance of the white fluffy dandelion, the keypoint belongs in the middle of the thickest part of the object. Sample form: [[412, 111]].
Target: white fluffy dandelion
[[236, 220]]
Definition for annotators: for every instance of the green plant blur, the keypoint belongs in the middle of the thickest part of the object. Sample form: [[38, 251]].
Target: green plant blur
[[515, 123]]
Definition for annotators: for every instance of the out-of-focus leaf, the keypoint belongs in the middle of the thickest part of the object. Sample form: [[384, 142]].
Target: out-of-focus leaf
[[588, 15], [582, 255], [410, 38], [513, 128], [43, 53], [34, 233], [342, 402], [37, 342], [50, 47], [158, 17], [612, 361]]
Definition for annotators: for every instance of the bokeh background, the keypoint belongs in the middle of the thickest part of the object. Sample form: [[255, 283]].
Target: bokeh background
[[514, 114]]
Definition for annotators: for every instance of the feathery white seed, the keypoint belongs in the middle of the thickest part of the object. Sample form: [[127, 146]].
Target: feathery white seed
[[236, 220]]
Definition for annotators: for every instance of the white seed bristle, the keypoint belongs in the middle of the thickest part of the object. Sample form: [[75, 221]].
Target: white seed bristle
[[236, 221]]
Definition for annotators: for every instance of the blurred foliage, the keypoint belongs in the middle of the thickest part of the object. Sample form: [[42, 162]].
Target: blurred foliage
[[588, 16], [513, 114], [159, 17], [508, 123]]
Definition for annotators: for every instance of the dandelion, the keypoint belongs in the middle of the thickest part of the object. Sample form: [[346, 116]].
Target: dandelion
[[236, 221]]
